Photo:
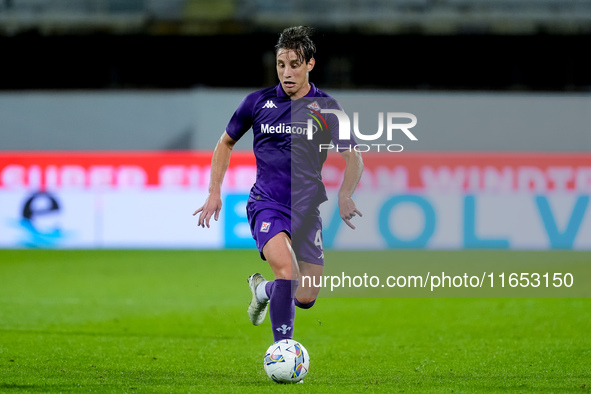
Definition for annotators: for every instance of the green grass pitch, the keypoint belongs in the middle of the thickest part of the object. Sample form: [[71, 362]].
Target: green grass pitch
[[175, 321]]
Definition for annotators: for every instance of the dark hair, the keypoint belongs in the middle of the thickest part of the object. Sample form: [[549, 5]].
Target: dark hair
[[297, 38]]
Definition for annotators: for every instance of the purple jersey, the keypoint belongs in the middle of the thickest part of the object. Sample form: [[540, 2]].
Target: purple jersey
[[289, 165]]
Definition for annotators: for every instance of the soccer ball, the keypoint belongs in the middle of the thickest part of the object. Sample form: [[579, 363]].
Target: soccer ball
[[286, 361]]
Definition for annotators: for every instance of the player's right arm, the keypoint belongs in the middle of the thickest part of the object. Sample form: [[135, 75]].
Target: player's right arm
[[219, 164], [239, 124]]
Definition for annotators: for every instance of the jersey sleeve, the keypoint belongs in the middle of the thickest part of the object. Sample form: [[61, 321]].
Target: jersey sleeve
[[242, 119], [333, 126]]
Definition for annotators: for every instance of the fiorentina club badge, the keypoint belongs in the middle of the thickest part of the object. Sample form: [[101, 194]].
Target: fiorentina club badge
[[314, 106], [265, 227]]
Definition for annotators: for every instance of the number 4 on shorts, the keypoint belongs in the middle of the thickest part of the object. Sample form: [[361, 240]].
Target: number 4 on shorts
[[318, 239]]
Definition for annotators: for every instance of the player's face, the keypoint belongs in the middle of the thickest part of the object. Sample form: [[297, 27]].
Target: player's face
[[293, 74]]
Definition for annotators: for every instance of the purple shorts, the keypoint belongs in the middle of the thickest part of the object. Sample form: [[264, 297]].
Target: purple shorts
[[268, 219]]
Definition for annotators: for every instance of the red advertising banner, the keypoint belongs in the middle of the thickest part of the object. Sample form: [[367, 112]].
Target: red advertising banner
[[470, 172], [66, 170], [464, 172], [409, 200]]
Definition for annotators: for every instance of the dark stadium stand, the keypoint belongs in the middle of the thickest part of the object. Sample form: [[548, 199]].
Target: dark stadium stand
[[531, 45]]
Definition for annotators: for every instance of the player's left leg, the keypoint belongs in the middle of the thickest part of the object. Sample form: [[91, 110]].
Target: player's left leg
[[310, 279], [307, 244]]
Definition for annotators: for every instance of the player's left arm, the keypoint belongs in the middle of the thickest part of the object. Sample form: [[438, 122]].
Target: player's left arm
[[353, 171]]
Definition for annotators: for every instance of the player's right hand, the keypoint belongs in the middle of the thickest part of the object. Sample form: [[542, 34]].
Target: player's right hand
[[212, 207]]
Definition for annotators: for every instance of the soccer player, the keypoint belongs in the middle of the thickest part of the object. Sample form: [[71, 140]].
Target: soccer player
[[282, 208]]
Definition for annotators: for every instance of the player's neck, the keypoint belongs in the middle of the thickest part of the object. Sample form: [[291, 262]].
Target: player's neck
[[302, 92]]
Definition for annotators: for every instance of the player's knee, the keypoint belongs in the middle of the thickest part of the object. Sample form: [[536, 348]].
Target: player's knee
[[305, 303], [281, 266], [283, 272]]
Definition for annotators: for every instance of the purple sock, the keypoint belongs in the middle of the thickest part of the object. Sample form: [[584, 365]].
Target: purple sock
[[269, 286], [302, 305], [282, 309]]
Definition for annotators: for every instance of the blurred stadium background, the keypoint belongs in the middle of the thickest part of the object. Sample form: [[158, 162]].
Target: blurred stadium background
[[104, 103], [521, 45]]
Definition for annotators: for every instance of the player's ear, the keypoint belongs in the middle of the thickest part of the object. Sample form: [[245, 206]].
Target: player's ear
[[311, 64]]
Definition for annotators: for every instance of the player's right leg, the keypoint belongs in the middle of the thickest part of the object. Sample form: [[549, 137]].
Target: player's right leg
[[270, 227], [279, 254], [281, 291], [257, 309]]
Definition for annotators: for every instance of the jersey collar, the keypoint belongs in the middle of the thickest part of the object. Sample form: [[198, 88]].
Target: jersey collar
[[311, 93]]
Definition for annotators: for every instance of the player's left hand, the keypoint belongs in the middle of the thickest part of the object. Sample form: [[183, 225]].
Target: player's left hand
[[348, 210]]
